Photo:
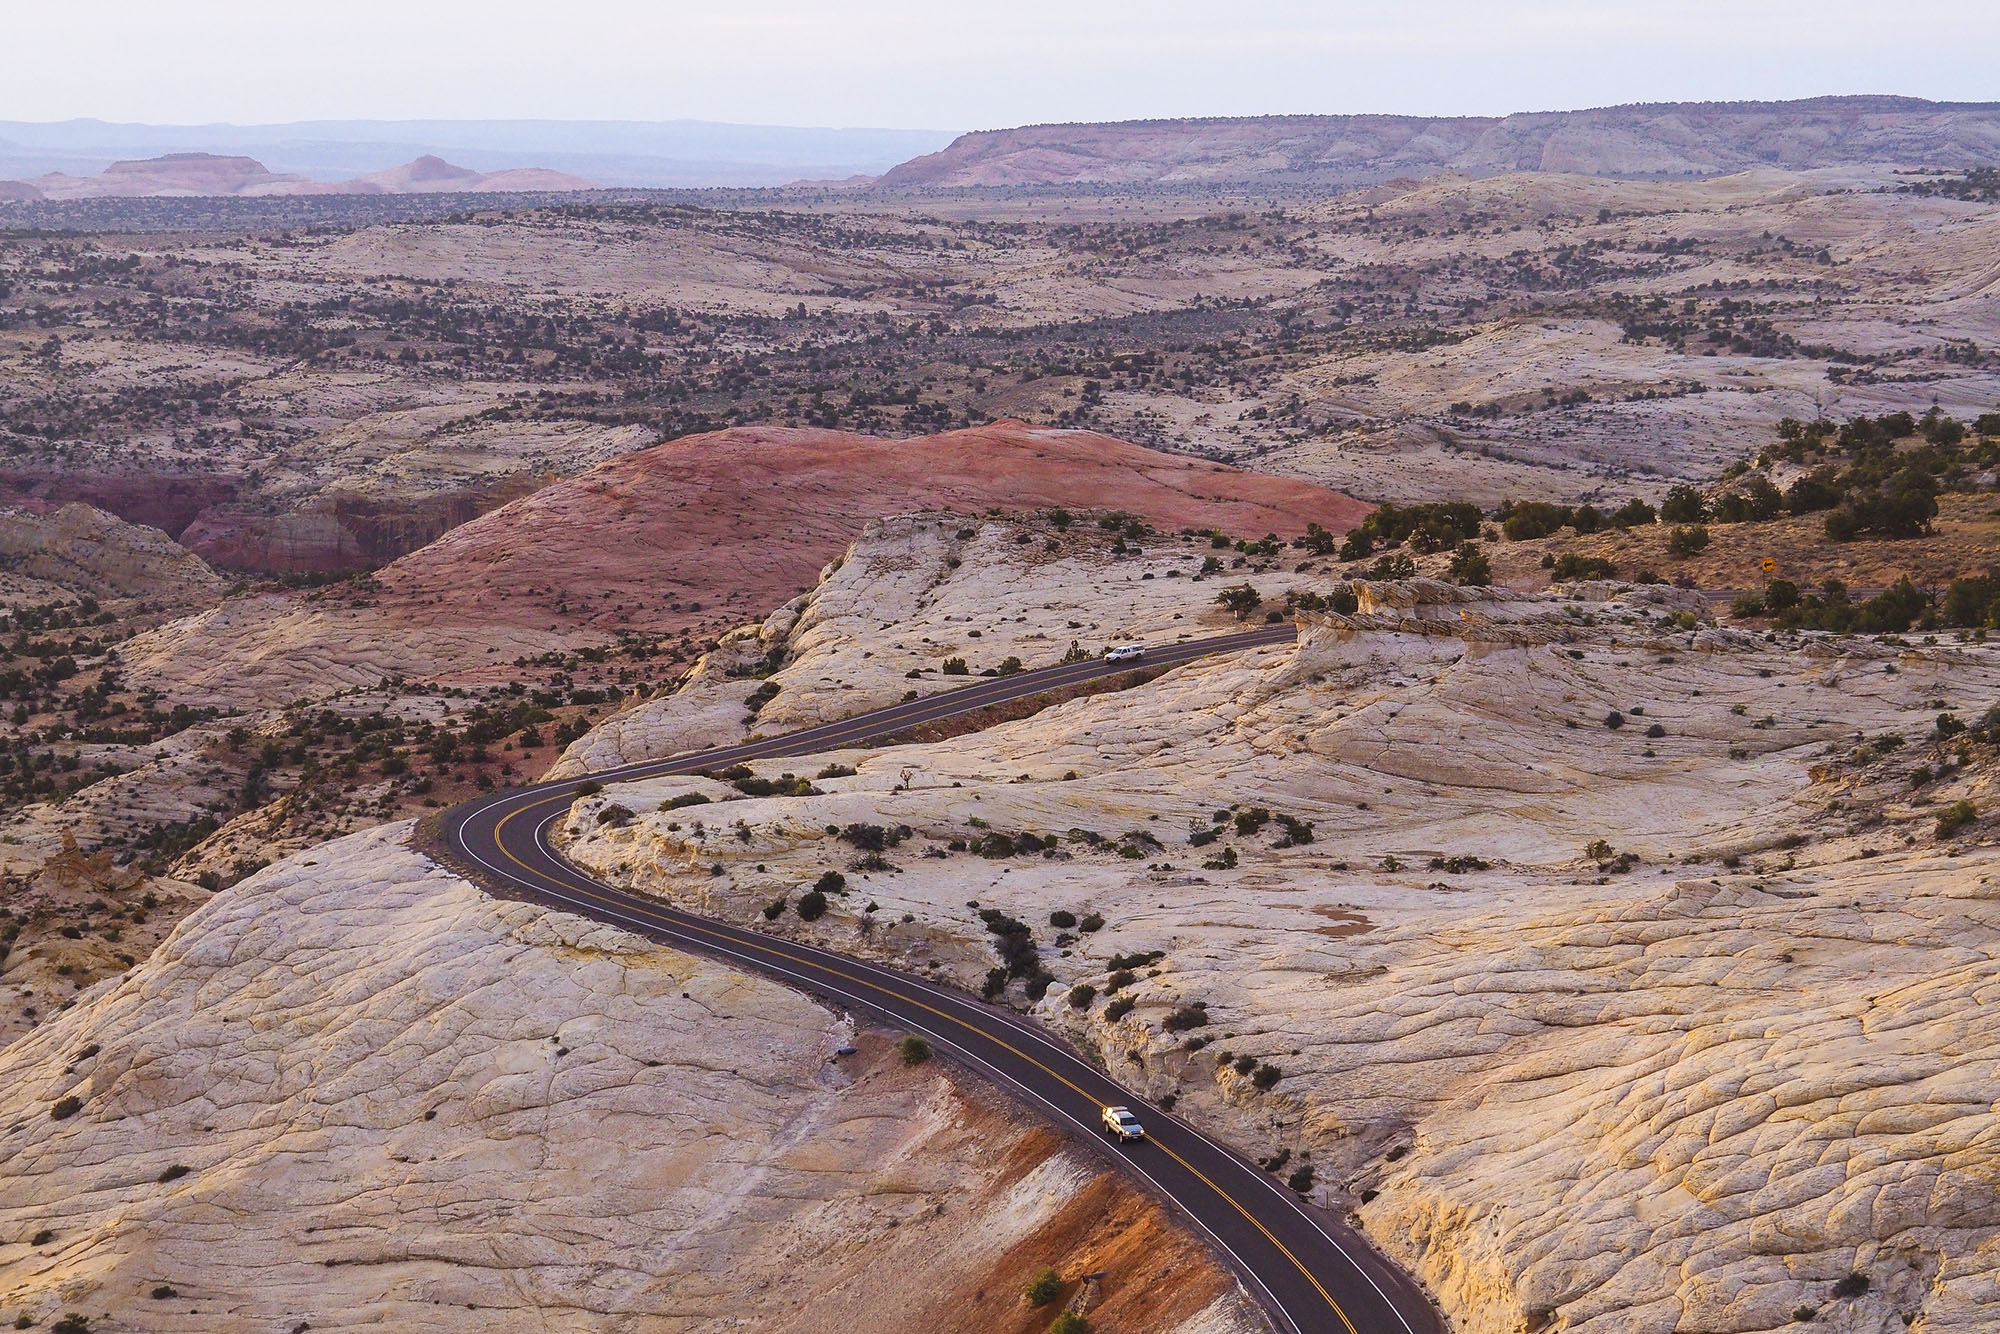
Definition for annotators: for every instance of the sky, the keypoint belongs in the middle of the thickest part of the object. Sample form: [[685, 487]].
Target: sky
[[972, 64]]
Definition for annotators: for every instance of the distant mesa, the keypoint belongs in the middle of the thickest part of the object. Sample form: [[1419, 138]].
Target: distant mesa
[[1648, 140], [195, 175]]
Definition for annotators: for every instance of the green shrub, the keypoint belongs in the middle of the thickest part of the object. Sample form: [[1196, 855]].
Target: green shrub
[[1081, 995], [1634, 513], [1571, 567], [956, 667], [1301, 1180], [1091, 922], [1531, 519], [1955, 817], [1069, 1322], [1685, 542], [1266, 1075], [1469, 566], [1118, 1009], [913, 1049], [831, 882], [1240, 600], [1684, 504], [616, 816], [812, 905], [1185, 1017], [683, 801], [775, 908], [1062, 919], [1044, 1287]]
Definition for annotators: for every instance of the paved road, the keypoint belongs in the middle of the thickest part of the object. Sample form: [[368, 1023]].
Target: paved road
[[1309, 1270]]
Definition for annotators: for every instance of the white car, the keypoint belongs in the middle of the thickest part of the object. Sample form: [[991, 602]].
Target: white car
[[1125, 653], [1120, 1122]]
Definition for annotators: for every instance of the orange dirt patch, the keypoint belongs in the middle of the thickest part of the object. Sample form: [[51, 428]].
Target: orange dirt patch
[[1346, 922]]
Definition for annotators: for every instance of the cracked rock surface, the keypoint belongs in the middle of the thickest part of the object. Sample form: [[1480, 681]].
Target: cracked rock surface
[[355, 1092]]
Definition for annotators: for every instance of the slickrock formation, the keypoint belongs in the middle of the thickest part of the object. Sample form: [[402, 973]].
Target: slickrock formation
[[85, 550], [1658, 1022], [912, 593], [354, 1091], [701, 533]]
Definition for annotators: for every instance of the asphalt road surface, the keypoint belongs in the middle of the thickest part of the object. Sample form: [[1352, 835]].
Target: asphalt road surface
[[1310, 1271]]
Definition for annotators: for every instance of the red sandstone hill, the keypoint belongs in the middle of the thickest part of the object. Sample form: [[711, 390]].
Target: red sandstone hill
[[743, 519], [698, 534]]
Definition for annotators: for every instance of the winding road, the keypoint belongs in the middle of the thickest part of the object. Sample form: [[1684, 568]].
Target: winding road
[[1311, 1272]]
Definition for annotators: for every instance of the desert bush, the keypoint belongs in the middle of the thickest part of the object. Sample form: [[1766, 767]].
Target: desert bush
[[1854, 1285], [1297, 833], [1081, 995], [913, 1049], [1469, 566], [1614, 720], [835, 771], [1955, 818], [1137, 959], [1684, 504], [776, 908], [1118, 1009], [1091, 922], [873, 837], [1185, 1017], [812, 905], [1010, 666], [956, 667], [1250, 821], [1044, 1287], [1570, 566], [1526, 520], [1301, 1180], [1634, 513], [615, 816], [1069, 1322], [831, 882], [590, 787], [1392, 567], [1240, 600], [1685, 542], [1266, 1075], [1119, 980], [1062, 919]]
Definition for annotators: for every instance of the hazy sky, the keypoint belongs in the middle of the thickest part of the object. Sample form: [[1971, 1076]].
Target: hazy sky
[[942, 65]]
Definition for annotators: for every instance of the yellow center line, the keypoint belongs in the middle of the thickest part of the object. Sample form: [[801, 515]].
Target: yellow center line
[[560, 799]]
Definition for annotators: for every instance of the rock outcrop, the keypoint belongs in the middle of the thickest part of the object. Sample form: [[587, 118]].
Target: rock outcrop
[[695, 536], [1602, 965], [355, 1091], [89, 552]]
